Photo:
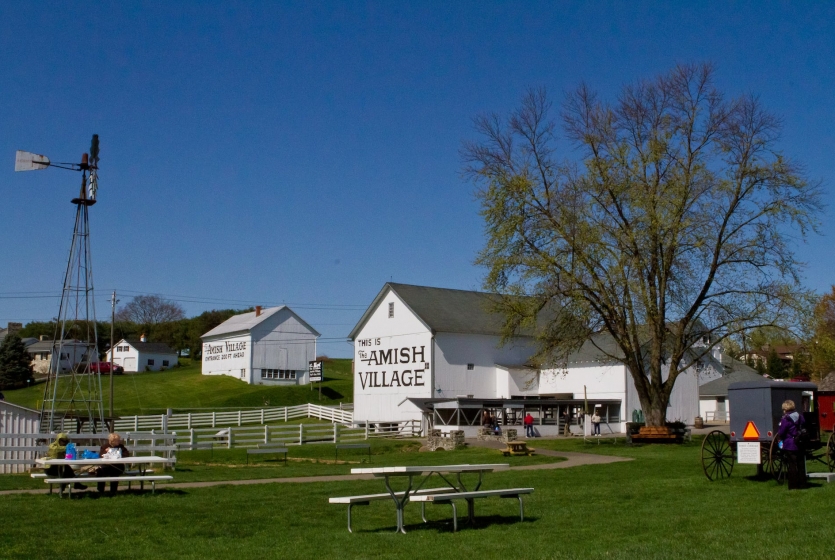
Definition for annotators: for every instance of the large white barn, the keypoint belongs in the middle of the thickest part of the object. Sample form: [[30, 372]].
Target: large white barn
[[271, 347], [435, 355]]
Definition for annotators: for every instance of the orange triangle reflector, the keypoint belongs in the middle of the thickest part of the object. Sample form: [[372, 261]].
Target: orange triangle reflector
[[751, 431]]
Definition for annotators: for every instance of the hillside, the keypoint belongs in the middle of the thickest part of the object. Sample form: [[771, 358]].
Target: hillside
[[185, 388]]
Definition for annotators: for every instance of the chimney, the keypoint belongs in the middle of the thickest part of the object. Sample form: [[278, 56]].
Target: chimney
[[143, 338], [257, 310], [15, 327]]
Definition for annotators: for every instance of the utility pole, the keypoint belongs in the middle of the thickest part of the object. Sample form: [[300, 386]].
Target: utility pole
[[113, 302]]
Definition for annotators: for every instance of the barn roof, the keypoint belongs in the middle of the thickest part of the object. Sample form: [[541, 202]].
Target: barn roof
[[247, 321], [827, 383]]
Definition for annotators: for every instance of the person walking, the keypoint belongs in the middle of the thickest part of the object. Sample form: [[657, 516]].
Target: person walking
[[529, 426], [595, 423], [788, 432]]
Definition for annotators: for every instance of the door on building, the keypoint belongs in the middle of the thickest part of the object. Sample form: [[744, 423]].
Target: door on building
[[130, 364], [721, 409]]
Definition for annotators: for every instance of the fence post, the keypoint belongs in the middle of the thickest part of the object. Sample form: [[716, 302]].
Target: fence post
[[189, 420], [163, 423], [336, 433], [366, 429], [262, 415], [239, 418], [214, 417], [135, 423], [229, 439], [191, 438], [266, 433], [301, 434]]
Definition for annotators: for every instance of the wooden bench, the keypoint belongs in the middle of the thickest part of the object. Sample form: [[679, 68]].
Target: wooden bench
[[367, 499], [68, 482], [264, 450], [471, 497], [352, 446]]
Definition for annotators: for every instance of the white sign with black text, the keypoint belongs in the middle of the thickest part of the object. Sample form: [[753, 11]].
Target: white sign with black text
[[315, 370], [748, 453]]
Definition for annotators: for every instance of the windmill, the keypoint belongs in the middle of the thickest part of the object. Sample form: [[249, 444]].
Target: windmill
[[73, 392]]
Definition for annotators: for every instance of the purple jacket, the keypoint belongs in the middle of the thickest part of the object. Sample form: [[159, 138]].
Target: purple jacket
[[789, 429]]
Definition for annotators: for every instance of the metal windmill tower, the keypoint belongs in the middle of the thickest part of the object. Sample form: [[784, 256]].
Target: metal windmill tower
[[72, 394]]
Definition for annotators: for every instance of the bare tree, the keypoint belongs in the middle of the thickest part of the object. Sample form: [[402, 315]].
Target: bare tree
[[675, 224], [150, 310]]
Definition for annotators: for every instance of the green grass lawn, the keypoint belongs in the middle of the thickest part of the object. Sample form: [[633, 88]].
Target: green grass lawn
[[658, 506], [185, 388]]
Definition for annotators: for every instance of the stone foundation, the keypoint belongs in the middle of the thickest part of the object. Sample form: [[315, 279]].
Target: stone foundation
[[449, 442]]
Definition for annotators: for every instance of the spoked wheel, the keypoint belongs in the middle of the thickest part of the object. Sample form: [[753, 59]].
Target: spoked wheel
[[717, 455], [777, 465], [765, 458], [830, 452]]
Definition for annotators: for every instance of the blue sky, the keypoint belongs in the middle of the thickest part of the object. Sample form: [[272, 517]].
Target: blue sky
[[306, 153]]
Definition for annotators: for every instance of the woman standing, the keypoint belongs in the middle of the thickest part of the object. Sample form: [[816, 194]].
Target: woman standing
[[788, 433]]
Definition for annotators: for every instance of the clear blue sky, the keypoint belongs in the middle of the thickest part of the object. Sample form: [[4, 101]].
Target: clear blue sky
[[307, 152]]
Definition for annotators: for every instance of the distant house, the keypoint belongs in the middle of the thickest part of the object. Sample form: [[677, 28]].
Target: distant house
[[271, 347], [73, 353], [141, 355], [786, 353]]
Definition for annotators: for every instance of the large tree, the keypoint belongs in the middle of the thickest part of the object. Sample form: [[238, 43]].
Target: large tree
[[672, 223], [148, 310], [15, 362]]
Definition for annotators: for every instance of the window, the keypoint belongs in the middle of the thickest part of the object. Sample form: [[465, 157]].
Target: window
[[278, 374], [391, 309], [470, 366], [150, 362], [243, 374], [165, 363]]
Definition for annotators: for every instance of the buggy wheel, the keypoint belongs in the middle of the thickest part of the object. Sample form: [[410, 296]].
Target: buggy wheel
[[717, 455], [777, 465], [830, 452], [765, 457]]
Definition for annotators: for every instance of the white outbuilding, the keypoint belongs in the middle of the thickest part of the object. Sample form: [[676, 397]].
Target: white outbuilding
[[141, 355], [273, 346], [435, 355]]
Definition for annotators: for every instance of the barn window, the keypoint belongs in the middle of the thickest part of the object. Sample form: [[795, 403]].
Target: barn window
[[165, 363], [150, 362], [470, 366], [391, 309]]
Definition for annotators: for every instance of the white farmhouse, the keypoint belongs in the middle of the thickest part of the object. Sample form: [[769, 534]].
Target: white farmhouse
[[435, 355], [73, 354], [141, 355], [271, 346]]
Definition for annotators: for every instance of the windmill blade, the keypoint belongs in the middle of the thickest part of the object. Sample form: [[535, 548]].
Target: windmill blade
[[27, 161], [94, 150]]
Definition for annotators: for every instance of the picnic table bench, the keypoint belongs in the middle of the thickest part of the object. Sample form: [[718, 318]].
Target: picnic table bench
[[265, 450], [450, 498], [365, 500], [352, 446]]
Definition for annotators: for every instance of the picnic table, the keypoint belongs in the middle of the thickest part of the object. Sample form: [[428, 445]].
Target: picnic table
[[517, 448], [89, 465], [444, 472]]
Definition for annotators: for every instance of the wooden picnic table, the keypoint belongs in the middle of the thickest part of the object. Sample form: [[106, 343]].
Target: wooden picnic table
[[517, 448], [443, 471]]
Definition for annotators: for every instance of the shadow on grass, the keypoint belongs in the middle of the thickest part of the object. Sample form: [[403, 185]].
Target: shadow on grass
[[446, 525]]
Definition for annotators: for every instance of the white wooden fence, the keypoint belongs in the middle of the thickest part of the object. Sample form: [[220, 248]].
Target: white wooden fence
[[215, 419]]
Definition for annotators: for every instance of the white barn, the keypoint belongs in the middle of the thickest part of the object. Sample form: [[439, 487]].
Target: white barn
[[141, 355], [271, 347], [435, 355]]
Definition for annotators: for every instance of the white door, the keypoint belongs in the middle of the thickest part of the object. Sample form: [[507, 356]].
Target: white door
[[130, 364]]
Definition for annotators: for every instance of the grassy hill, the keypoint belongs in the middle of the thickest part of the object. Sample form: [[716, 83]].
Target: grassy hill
[[185, 388]]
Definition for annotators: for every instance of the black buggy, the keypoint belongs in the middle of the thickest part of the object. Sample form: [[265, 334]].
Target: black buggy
[[755, 410]]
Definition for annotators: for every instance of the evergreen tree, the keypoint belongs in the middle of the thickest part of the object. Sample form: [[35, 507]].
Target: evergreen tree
[[774, 365], [15, 362]]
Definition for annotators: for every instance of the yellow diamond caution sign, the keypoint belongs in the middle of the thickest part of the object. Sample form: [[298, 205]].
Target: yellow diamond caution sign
[[751, 431]]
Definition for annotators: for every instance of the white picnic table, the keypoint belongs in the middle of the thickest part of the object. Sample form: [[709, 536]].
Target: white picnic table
[[77, 464], [402, 498]]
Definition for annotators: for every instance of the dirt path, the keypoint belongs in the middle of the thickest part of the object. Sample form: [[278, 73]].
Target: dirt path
[[572, 459]]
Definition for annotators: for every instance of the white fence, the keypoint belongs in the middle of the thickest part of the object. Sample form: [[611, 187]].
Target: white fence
[[215, 419]]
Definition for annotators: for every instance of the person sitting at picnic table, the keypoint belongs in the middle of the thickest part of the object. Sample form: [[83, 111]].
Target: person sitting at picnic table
[[58, 450], [529, 426], [113, 447]]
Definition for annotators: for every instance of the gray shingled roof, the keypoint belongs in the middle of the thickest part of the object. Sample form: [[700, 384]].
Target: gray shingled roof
[[828, 382], [719, 387], [444, 310]]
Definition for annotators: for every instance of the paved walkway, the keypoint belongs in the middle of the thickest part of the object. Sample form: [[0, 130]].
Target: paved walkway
[[572, 459]]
